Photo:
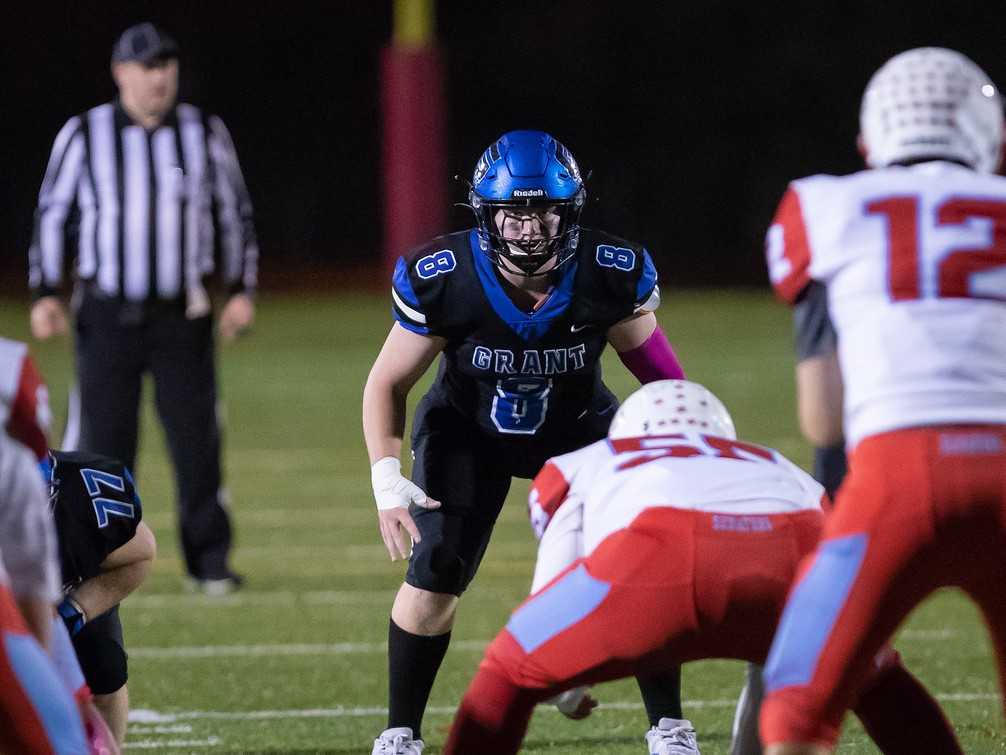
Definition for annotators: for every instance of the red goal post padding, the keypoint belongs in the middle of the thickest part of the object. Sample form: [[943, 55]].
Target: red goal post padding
[[413, 150]]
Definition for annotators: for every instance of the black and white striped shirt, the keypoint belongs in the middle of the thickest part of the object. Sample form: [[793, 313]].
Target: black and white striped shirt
[[144, 214]]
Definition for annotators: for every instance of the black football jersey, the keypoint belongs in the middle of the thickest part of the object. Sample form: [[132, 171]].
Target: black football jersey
[[96, 510], [521, 373]]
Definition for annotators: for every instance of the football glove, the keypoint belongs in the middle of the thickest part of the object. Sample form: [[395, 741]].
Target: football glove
[[391, 489]]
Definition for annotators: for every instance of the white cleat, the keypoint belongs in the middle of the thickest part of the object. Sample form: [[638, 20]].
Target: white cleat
[[672, 736], [397, 742]]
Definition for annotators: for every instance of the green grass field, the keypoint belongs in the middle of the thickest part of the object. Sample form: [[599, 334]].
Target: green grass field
[[295, 662]]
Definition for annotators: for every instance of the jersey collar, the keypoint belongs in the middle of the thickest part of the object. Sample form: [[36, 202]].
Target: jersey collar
[[529, 326]]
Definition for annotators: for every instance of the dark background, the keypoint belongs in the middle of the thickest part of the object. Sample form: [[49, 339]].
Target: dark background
[[692, 116]]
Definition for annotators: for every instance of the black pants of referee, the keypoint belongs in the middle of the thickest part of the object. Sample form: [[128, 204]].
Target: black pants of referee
[[117, 342]]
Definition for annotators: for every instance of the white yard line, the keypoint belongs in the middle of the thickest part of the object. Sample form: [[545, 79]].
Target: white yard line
[[290, 597], [364, 648], [150, 716], [286, 598], [145, 716], [967, 697], [160, 744], [236, 651], [170, 729], [928, 634], [523, 548], [265, 598]]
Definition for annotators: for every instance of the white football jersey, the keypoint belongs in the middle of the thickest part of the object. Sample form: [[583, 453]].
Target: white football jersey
[[914, 260], [28, 560], [585, 496], [24, 398], [12, 358], [27, 537]]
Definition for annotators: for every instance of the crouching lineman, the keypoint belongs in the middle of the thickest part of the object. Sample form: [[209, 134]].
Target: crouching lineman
[[37, 713], [105, 553], [670, 511]]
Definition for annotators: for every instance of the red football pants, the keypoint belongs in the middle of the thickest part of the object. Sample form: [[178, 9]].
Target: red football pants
[[674, 586], [37, 713], [921, 509]]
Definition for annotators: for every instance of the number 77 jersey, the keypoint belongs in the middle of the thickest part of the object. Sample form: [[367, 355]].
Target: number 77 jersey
[[914, 261]]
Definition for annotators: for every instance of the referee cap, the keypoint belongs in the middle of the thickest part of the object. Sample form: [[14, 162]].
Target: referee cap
[[143, 43]]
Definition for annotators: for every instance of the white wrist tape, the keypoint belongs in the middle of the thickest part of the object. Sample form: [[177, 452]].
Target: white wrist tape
[[391, 489]]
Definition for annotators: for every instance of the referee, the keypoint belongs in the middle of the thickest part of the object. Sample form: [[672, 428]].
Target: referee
[[146, 198]]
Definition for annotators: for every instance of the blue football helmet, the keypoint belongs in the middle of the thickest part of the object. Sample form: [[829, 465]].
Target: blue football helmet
[[529, 184]]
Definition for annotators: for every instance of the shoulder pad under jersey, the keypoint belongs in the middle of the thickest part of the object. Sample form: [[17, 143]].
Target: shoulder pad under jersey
[[433, 284], [616, 278]]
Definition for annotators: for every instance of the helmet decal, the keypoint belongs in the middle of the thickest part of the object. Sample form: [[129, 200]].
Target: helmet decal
[[566, 158], [481, 168]]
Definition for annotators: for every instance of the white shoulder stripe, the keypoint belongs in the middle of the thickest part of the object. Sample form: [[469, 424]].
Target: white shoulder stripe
[[412, 314], [651, 303]]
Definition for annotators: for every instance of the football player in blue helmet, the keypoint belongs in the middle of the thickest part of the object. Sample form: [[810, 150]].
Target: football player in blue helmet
[[517, 310], [527, 195], [105, 553]]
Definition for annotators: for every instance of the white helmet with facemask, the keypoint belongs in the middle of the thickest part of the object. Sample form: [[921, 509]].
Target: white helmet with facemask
[[931, 103], [669, 406]]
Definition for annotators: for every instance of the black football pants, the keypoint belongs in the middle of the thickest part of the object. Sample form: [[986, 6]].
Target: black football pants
[[116, 343]]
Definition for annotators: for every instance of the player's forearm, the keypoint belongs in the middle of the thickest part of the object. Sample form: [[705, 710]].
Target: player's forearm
[[820, 392], [404, 358], [108, 589], [384, 411]]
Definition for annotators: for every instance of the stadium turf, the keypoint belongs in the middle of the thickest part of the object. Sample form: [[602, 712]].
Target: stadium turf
[[295, 662]]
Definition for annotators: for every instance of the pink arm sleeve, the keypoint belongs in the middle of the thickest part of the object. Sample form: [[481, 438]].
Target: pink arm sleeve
[[654, 359]]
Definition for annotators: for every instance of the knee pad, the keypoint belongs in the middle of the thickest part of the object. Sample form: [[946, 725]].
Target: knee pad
[[437, 568], [102, 659]]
